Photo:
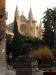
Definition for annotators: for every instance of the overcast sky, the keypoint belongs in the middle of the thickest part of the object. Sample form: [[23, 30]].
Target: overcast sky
[[38, 7]]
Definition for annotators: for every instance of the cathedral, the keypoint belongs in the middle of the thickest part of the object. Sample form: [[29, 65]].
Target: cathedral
[[26, 26]]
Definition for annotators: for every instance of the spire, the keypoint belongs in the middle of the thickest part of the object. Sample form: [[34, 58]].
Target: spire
[[17, 15], [30, 16], [40, 25], [22, 12], [17, 12]]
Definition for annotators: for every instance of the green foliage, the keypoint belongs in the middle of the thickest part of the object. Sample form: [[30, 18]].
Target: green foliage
[[21, 44], [49, 27], [42, 52], [15, 28]]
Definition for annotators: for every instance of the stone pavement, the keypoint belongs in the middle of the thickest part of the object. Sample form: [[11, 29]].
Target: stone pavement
[[39, 73], [3, 71], [7, 71], [11, 72], [34, 72]]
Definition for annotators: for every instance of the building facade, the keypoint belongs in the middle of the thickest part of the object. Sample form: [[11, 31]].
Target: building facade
[[26, 26], [2, 34], [2, 19]]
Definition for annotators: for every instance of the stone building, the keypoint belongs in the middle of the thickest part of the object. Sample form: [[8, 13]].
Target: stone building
[[2, 19], [2, 38], [26, 26]]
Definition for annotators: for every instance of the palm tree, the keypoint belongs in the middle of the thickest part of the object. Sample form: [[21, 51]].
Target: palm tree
[[50, 17], [49, 20]]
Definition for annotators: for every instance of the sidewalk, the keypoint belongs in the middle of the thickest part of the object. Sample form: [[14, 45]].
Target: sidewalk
[[3, 71], [10, 71]]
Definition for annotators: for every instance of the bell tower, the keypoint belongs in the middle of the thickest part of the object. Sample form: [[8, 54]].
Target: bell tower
[[17, 15], [31, 24], [30, 19], [2, 37], [30, 16]]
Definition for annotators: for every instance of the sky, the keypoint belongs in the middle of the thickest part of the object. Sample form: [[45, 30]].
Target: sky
[[38, 8]]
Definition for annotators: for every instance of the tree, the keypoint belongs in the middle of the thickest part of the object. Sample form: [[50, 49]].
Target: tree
[[49, 27], [23, 43], [17, 43], [44, 55], [9, 46], [42, 52]]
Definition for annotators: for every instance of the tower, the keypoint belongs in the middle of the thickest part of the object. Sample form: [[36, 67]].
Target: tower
[[17, 15], [40, 30], [31, 24], [2, 36], [30, 15], [30, 19]]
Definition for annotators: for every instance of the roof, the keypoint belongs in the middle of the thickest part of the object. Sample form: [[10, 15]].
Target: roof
[[22, 18], [10, 26]]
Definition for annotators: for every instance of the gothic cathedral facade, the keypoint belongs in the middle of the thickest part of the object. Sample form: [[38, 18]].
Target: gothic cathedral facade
[[28, 26]]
